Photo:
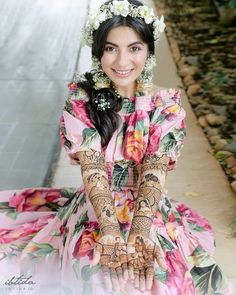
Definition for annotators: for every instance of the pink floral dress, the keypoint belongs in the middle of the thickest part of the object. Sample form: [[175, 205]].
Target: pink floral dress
[[47, 235]]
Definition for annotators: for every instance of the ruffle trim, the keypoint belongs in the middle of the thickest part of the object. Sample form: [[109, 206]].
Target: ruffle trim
[[147, 127]]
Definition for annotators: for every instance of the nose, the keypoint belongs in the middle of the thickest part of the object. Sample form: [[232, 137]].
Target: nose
[[123, 59]]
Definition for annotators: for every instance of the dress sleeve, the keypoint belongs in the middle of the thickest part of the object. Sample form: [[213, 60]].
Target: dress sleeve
[[76, 129], [167, 126]]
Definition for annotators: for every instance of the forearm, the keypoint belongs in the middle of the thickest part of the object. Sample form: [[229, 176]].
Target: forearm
[[96, 184], [153, 172]]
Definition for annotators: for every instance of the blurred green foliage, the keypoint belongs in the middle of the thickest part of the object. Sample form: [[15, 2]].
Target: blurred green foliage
[[227, 3]]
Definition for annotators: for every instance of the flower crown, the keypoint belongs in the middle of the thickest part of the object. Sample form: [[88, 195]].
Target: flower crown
[[123, 8]]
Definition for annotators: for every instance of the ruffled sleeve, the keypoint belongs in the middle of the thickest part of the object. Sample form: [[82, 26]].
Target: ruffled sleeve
[[76, 129], [167, 126]]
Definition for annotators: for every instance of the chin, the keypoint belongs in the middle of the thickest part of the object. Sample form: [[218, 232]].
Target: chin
[[123, 82]]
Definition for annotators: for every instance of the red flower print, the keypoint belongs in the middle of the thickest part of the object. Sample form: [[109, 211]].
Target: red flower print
[[154, 138], [158, 101], [23, 231], [34, 199], [134, 147], [79, 109], [193, 216], [130, 204], [183, 124], [84, 246], [171, 117], [179, 277], [73, 86], [91, 225]]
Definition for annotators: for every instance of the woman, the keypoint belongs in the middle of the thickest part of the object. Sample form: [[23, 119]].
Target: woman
[[119, 233]]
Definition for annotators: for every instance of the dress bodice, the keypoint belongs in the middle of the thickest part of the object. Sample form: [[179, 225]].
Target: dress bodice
[[149, 124]]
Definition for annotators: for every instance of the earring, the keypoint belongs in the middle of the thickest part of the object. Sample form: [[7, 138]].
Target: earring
[[100, 79], [144, 81]]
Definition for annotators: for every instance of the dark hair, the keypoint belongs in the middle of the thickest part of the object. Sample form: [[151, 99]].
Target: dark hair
[[106, 122]]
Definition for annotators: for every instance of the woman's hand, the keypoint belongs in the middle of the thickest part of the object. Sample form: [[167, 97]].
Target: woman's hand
[[111, 252], [142, 252]]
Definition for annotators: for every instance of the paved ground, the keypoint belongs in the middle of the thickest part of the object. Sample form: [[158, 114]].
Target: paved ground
[[39, 45], [199, 180]]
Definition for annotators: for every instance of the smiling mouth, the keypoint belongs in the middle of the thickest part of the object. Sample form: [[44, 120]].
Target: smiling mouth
[[122, 72]]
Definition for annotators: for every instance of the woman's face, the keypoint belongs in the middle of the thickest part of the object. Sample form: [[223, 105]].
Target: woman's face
[[124, 57]]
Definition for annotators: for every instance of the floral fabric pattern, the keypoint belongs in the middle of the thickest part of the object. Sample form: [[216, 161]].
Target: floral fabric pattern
[[47, 231], [152, 124]]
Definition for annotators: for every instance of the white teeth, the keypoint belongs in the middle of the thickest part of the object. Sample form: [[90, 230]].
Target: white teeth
[[123, 72]]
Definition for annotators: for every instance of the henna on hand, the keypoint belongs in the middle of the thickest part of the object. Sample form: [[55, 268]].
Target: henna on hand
[[111, 252], [96, 184], [153, 173], [142, 251]]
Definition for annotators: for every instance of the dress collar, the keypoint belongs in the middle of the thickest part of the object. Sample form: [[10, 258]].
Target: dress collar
[[141, 101]]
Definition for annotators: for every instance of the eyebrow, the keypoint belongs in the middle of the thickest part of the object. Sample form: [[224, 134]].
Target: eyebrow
[[132, 44]]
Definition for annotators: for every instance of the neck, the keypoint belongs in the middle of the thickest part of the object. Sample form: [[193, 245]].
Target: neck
[[127, 91]]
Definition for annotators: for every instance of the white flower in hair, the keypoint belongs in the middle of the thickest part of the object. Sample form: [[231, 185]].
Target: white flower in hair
[[151, 62], [96, 19], [120, 8], [146, 13], [86, 38], [123, 8], [159, 25]]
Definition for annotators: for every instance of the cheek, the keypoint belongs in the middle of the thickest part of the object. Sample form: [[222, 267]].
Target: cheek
[[106, 60], [141, 59]]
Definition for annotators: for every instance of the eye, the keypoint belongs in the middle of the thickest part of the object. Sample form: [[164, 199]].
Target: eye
[[110, 49], [135, 49]]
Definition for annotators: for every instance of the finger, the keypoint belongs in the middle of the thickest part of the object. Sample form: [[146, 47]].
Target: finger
[[142, 284], [123, 257], [159, 258], [136, 278], [131, 271], [96, 259], [119, 273], [106, 278], [97, 251], [114, 280], [125, 271], [149, 277]]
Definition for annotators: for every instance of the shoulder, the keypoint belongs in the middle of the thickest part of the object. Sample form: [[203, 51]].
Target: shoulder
[[165, 96], [75, 104], [167, 105], [76, 98], [76, 90]]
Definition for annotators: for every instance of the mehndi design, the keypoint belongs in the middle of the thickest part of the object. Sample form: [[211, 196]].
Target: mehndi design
[[96, 184], [152, 182], [110, 250], [142, 251]]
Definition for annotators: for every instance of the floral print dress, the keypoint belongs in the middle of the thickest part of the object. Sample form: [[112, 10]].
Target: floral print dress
[[47, 235]]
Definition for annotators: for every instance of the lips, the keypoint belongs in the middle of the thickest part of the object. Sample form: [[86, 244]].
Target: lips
[[122, 73]]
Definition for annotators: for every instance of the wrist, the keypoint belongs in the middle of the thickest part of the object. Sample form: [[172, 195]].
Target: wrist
[[111, 229], [141, 225], [134, 233]]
